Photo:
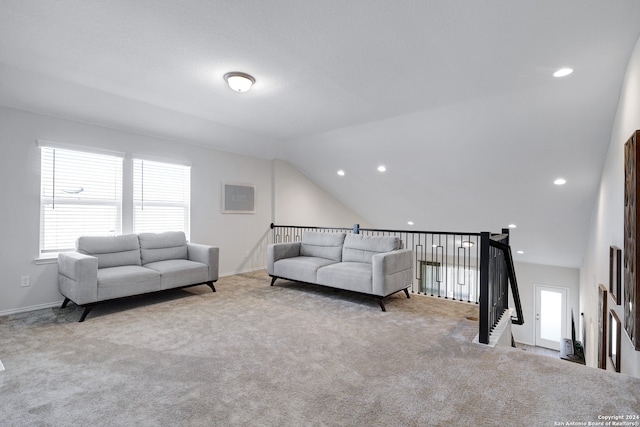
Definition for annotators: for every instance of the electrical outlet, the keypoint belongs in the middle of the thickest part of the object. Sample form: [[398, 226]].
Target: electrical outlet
[[24, 281]]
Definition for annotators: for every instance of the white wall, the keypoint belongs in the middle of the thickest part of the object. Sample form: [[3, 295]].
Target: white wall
[[528, 275], [20, 192], [241, 238], [607, 222], [300, 201]]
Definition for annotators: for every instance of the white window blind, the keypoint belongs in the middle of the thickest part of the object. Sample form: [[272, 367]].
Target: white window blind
[[81, 195], [161, 197]]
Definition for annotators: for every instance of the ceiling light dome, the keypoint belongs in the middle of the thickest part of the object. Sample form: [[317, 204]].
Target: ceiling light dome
[[240, 82], [563, 72]]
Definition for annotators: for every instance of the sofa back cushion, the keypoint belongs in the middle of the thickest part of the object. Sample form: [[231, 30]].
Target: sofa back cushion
[[162, 246], [322, 245], [111, 251], [358, 248]]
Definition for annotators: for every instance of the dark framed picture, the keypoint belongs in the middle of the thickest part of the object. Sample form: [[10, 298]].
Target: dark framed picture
[[631, 254], [238, 198], [602, 327], [614, 339], [615, 273]]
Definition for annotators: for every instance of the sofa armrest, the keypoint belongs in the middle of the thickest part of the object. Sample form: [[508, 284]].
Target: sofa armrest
[[277, 251], [392, 271], [78, 277], [205, 254]]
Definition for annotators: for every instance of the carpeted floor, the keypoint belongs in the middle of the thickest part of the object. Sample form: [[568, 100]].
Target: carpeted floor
[[288, 355]]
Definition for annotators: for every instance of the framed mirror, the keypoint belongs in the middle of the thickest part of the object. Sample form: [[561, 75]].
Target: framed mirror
[[602, 327], [614, 339]]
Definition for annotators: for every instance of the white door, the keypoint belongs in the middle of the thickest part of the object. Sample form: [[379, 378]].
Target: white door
[[551, 316]]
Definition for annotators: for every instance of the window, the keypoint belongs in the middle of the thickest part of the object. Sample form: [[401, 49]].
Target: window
[[161, 196], [81, 194]]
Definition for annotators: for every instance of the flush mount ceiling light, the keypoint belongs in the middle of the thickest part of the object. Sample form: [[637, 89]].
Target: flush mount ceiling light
[[341, 172], [410, 222], [467, 244], [560, 181], [520, 252], [563, 72], [381, 168], [240, 82], [512, 226]]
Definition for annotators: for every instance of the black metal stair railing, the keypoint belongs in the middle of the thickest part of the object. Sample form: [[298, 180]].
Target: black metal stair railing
[[470, 267], [497, 272]]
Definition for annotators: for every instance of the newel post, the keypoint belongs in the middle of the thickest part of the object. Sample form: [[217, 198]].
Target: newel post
[[485, 308]]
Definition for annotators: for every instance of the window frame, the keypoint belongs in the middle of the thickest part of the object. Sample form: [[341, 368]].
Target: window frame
[[185, 204], [49, 198], [125, 207]]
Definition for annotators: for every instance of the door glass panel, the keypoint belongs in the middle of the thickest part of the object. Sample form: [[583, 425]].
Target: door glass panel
[[550, 315]]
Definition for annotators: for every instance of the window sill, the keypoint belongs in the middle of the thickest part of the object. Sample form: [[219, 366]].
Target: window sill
[[46, 260]]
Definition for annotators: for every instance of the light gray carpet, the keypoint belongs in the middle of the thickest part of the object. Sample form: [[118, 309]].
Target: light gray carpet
[[287, 355]]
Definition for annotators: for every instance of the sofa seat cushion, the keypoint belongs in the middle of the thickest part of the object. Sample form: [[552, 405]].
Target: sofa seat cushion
[[180, 272], [351, 276], [117, 282], [300, 268]]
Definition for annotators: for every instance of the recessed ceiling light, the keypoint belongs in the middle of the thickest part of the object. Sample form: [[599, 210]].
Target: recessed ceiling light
[[560, 181], [341, 172], [381, 168], [563, 72], [520, 252], [240, 82], [512, 226], [410, 222]]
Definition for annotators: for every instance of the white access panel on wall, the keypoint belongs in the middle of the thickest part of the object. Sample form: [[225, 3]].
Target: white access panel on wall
[[238, 198]]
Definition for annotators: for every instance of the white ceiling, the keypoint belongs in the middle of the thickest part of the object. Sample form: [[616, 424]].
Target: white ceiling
[[456, 98]]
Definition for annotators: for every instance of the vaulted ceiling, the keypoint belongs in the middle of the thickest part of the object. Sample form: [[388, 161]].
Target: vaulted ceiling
[[455, 98]]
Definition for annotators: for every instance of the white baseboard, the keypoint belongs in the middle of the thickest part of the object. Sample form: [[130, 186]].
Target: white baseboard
[[30, 308]]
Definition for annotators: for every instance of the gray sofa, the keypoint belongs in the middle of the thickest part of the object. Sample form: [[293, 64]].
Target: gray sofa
[[105, 268], [373, 265]]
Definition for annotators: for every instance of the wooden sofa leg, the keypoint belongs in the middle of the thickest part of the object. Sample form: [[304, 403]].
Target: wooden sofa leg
[[382, 304], [210, 284], [84, 313], [273, 280], [65, 302], [406, 292]]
